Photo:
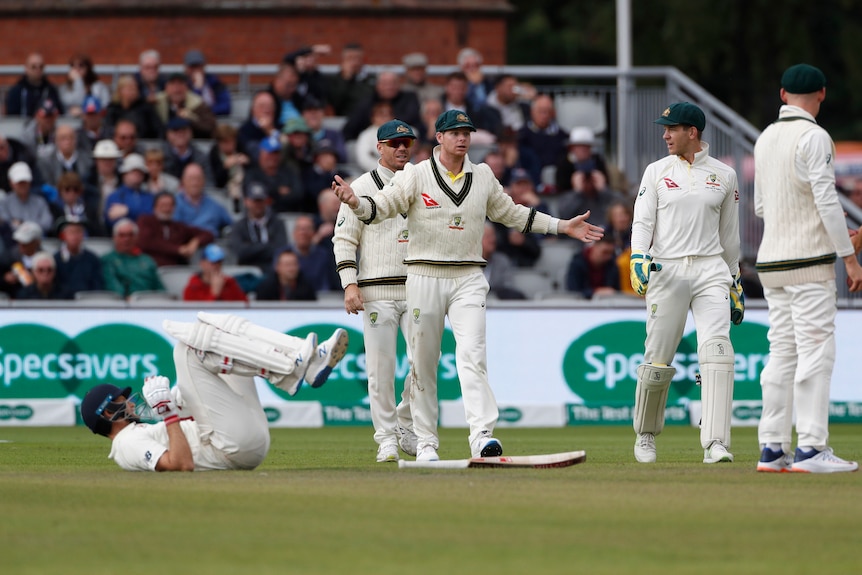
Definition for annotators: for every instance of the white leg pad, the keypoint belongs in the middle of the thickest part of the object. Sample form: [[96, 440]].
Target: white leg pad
[[240, 326], [716, 391], [651, 397]]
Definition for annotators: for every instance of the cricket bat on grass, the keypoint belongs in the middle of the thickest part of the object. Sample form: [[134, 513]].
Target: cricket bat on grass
[[547, 461]]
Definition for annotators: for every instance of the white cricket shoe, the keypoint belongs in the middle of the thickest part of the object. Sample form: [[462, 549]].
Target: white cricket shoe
[[486, 446], [407, 440], [387, 453], [813, 461], [328, 354], [717, 453], [645, 448], [427, 453]]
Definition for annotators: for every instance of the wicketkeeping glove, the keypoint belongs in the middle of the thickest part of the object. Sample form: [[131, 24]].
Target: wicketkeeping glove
[[737, 300], [157, 392], [640, 266]]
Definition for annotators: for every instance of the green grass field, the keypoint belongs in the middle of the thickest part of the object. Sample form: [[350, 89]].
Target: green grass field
[[320, 504]]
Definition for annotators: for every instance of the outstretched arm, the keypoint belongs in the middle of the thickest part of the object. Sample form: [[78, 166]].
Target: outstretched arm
[[345, 193], [580, 229]]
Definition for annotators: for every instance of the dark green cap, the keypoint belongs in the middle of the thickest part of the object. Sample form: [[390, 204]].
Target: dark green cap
[[803, 79], [453, 119], [394, 129], [683, 113], [294, 125]]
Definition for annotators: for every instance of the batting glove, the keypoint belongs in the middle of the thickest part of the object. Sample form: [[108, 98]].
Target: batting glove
[[737, 300], [640, 266], [157, 392]]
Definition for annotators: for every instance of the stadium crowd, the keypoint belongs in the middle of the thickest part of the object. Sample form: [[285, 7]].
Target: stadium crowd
[[162, 164]]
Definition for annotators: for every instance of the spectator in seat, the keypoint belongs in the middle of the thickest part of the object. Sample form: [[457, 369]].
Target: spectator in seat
[[479, 86], [211, 283], [259, 125], [313, 113], [594, 270], [26, 95], [281, 182], [67, 157], [259, 235], [73, 204], [45, 284], [588, 191], [320, 176], [404, 104], [283, 88], [126, 138], [158, 180], [12, 151], [499, 268], [208, 86], [178, 101], [544, 137], [299, 150], [312, 83], [17, 263], [23, 204], [130, 200], [180, 151], [352, 83], [168, 241], [195, 207], [227, 164], [149, 79], [522, 249], [579, 157], [416, 77], [93, 127], [366, 145], [105, 178], [509, 99], [285, 282], [129, 104], [427, 131], [126, 269], [81, 82], [78, 269], [316, 261], [40, 131], [455, 97]]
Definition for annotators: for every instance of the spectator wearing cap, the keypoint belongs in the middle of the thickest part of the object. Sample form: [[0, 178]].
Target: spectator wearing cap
[[168, 241], [208, 86], [45, 284], [129, 104], [579, 157], [522, 249], [130, 200], [352, 83], [93, 127], [73, 204], [39, 131], [125, 268], [405, 105], [319, 177], [416, 77], [366, 144], [178, 101], [313, 112], [211, 283], [149, 78], [227, 163], [288, 101], [180, 151], [260, 124], [16, 263], [256, 237], [280, 180], [78, 269], [28, 93], [81, 82], [196, 208], [24, 205], [312, 82], [299, 149], [285, 282], [67, 157], [105, 176], [542, 134], [12, 151]]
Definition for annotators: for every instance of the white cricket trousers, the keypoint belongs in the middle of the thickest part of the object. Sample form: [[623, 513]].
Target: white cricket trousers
[[226, 408], [701, 284], [382, 320], [462, 299], [799, 371]]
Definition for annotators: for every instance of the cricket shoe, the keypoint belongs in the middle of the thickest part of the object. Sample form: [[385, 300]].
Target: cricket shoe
[[645, 448], [774, 461], [813, 461], [407, 440], [486, 446], [427, 453], [328, 354], [387, 453], [717, 453]]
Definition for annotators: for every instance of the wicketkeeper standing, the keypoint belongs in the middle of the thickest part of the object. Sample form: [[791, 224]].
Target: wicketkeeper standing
[[685, 250]]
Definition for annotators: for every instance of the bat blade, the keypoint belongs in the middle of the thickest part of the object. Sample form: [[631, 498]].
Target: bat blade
[[547, 461]]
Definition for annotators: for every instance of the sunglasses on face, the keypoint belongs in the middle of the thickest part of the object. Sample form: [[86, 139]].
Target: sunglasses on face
[[398, 142]]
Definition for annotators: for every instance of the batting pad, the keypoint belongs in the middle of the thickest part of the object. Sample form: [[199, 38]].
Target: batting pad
[[237, 325], [548, 461], [716, 391], [651, 397]]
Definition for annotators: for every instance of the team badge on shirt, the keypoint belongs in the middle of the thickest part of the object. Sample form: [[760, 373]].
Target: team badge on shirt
[[712, 181], [430, 202], [402, 237], [372, 317], [456, 223], [416, 314]]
